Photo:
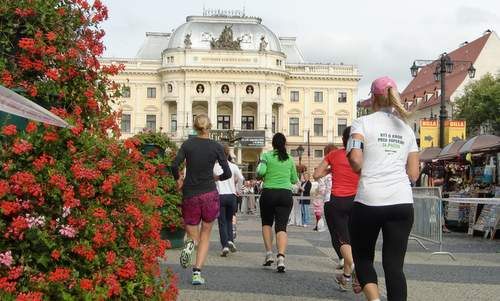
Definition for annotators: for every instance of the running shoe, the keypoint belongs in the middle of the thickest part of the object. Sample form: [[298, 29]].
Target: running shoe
[[340, 265], [232, 247], [197, 279], [343, 282], [224, 252], [356, 286], [187, 253], [269, 260], [281, 264]]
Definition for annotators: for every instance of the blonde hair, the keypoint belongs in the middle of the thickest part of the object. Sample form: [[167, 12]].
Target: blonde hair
[[202, 123], [393, 99]]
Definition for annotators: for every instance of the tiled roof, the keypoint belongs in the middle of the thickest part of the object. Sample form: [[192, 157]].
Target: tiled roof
[[424, 81]]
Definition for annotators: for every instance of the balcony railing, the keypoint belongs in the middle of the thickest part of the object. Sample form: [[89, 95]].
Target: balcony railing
[[320, 69]]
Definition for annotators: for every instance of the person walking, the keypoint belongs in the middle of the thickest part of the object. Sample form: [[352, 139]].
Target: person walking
[[277, 168], [200, 202], [305, 191], [383, 149], [228, 203], [338, 209]]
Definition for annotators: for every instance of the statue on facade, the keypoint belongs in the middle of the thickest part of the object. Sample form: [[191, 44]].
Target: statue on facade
[[263, 44], [187, 41], [225, 40]]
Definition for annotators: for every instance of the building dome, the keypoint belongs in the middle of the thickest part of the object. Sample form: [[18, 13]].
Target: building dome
[[202, 29]]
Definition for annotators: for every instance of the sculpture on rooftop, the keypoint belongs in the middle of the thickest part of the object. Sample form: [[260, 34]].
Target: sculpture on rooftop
[[225, 40], [187, 41], [263, 44]]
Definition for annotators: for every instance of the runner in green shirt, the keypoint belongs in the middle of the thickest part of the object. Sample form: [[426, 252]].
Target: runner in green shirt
[[278, 170]]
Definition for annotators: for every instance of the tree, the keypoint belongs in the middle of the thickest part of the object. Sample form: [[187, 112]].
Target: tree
[[480, 104]]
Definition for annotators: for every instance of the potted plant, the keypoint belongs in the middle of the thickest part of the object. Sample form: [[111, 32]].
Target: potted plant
[[160, 152]]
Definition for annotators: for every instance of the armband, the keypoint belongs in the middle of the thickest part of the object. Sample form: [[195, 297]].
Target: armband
[[262, 161], [354, 144]]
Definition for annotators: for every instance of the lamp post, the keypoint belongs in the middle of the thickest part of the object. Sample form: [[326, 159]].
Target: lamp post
[[443, 65], [300, 151]]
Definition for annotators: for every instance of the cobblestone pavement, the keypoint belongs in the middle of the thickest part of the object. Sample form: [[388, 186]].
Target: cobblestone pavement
[[311, 269]]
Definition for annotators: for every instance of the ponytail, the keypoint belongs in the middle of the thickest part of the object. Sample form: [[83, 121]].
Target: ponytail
[[279, 145], [395, 102]]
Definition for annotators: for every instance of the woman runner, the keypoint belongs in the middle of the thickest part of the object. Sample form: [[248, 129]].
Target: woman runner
[[200, 202], [384, 151], [279, 173]]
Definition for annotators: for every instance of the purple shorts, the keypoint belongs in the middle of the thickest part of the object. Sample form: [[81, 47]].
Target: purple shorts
[[204, 207]]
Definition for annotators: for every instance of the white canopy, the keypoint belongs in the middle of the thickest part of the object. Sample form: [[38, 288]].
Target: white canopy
[[13, 103]]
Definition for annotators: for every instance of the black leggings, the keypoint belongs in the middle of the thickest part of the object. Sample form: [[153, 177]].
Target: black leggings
[[275, 206], [337, 214], [396, 222]]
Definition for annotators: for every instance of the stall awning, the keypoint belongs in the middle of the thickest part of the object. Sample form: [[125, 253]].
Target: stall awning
[[13, 103], [450, 151], [429, 154], [480, 143]]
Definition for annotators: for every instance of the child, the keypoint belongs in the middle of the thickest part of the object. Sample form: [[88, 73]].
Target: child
[[317, 201]]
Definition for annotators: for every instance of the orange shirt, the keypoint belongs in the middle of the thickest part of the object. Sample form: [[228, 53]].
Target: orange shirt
[[344, 179]]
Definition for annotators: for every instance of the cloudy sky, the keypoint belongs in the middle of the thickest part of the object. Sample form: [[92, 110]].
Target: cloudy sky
[[380, 37]]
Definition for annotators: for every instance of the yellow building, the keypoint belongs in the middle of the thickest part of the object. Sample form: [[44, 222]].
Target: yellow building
[[246, 78]]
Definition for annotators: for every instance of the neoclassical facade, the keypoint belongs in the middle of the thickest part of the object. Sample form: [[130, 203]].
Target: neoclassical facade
[[250, 83]]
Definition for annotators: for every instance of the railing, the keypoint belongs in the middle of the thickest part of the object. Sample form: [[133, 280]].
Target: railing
[[327, 69]]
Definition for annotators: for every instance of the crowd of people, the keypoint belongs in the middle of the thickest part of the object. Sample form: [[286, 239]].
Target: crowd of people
[[360, 189]]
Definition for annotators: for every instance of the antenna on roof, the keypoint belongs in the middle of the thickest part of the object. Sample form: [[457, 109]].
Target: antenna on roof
[[244, 8]]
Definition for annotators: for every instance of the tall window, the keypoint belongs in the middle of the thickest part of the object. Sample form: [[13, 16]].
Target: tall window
[[342, 96], [223, 122], [318, 126], [151, 92], [126, 92], [318, 153], [173, 123], [318, 96], [341, 125], [294, 126], [294, 96], [247, 123], [273, 124], [125, 123], [151, 122]]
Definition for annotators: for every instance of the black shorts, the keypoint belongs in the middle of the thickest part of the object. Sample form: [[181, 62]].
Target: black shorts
[[275, 207], [338, 214]]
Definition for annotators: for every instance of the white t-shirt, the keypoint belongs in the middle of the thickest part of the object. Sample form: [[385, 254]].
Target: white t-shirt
[[387, 143], [228, 186]]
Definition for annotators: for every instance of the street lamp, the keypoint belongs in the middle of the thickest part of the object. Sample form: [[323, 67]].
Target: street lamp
[[300, 151], [443, 65]]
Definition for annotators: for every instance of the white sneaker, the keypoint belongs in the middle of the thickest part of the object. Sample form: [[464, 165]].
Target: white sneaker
[[281, 264], [340, 265], [232, 247], [269, 260], [224, 252]]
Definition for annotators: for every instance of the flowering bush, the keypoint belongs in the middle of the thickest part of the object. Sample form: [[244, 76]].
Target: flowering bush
[[79, 211], [81, 223], [171, 214]]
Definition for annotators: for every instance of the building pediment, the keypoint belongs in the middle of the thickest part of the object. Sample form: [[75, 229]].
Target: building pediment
[[127, 108], [342, 113], [294, 112], [318, 112], [151, 109]]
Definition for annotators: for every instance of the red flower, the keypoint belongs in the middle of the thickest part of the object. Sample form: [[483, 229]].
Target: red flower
[[51, 36], [71, 146], [4, 188], [26, 43], [9, 208], [50, 50], [24, 12], [114, 286], [86, 190], [7, 78], [110, 257], [43, 160], [59, 181], [21, 146], [30, 296], [56, 254], [59, 275], [31, 127], [7, 286], [86, 284], [16, 273], [105, 164], [128, 270], [17, 226], [52, 74], [50, 136], [9, 130]]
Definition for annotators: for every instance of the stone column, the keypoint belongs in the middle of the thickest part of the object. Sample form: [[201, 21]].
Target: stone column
[[306, 114], [239, 156], [212, 106], [137, 111], [331, 114], [261, 107], [181, 114], [237, 108], [188, 107]]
